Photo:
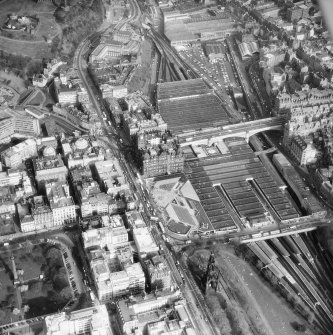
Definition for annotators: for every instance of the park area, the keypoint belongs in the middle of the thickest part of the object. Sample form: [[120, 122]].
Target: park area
[[22, 43], [245, 303], [42, 281], [12, 81]]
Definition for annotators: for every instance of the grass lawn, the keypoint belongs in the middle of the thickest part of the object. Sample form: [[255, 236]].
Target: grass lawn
[[23, 7], [35, 50], [47, 27], [43, 296], [37, 100]]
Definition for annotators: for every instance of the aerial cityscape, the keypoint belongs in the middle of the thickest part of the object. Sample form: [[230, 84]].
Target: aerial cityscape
[[166, 167]]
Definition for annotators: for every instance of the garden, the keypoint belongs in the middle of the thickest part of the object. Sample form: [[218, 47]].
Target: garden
[[42, 283]]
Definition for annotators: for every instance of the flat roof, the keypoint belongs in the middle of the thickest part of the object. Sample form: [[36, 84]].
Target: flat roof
[[231, 173], [193, 112], [183, 88]]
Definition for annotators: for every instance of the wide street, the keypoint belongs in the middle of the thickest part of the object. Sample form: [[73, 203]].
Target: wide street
[[195, 308]]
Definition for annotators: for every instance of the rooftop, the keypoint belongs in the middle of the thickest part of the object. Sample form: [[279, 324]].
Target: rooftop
[[71, 323], [224, 178], [190, 105], [19, 147], [171, 90], [46, 163], [144, 240]]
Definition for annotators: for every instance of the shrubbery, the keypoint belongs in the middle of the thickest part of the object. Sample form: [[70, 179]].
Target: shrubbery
[[77, 23]]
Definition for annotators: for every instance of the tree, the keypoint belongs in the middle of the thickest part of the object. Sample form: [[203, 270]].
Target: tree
[[60, 281], [66, 293], [10, 299], [35, 288], [34, 67], [52, 253], [299, 327]]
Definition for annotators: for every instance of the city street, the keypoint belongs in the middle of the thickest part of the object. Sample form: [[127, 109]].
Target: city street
[[96, 100]]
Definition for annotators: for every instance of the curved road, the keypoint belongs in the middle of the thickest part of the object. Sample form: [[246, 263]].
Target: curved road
[[205, 327]]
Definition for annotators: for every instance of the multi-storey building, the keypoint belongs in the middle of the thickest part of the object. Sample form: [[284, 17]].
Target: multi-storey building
[[114, 273], [7, 130], [14, 156], [61, 203], [93, 321], [42, 216], [271, 12], [119, 91], [18, 178], [158, 273], [93, 201], [272, 54], [12, 177], [274, 78], [43, 142], [88, 193], [297, 12], [313, 97], [306, 116], [113, 49], [67, 94], [19, 123], [110, 232], [39, 80], [303, 121], [117, 206], [164, 162], [144, 242], [49, 167], [142, 121], [167, 327], [7, 204], [81, 151], [159, 154], [305, 153], [27, 223], [111, 258], [110, 176], [107, 90], [80, 175], [134, 313], [82, 94], [135, 219], [123, 36]]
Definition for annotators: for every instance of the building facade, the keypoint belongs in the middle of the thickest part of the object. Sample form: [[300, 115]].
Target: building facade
[[115, 275], [158, 273], [17, 154], [49, 167], [17, 123], [305, 153], [61, 203], [93, 320]]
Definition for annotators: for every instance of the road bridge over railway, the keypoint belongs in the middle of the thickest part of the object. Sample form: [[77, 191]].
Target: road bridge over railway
[[244, 130]]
